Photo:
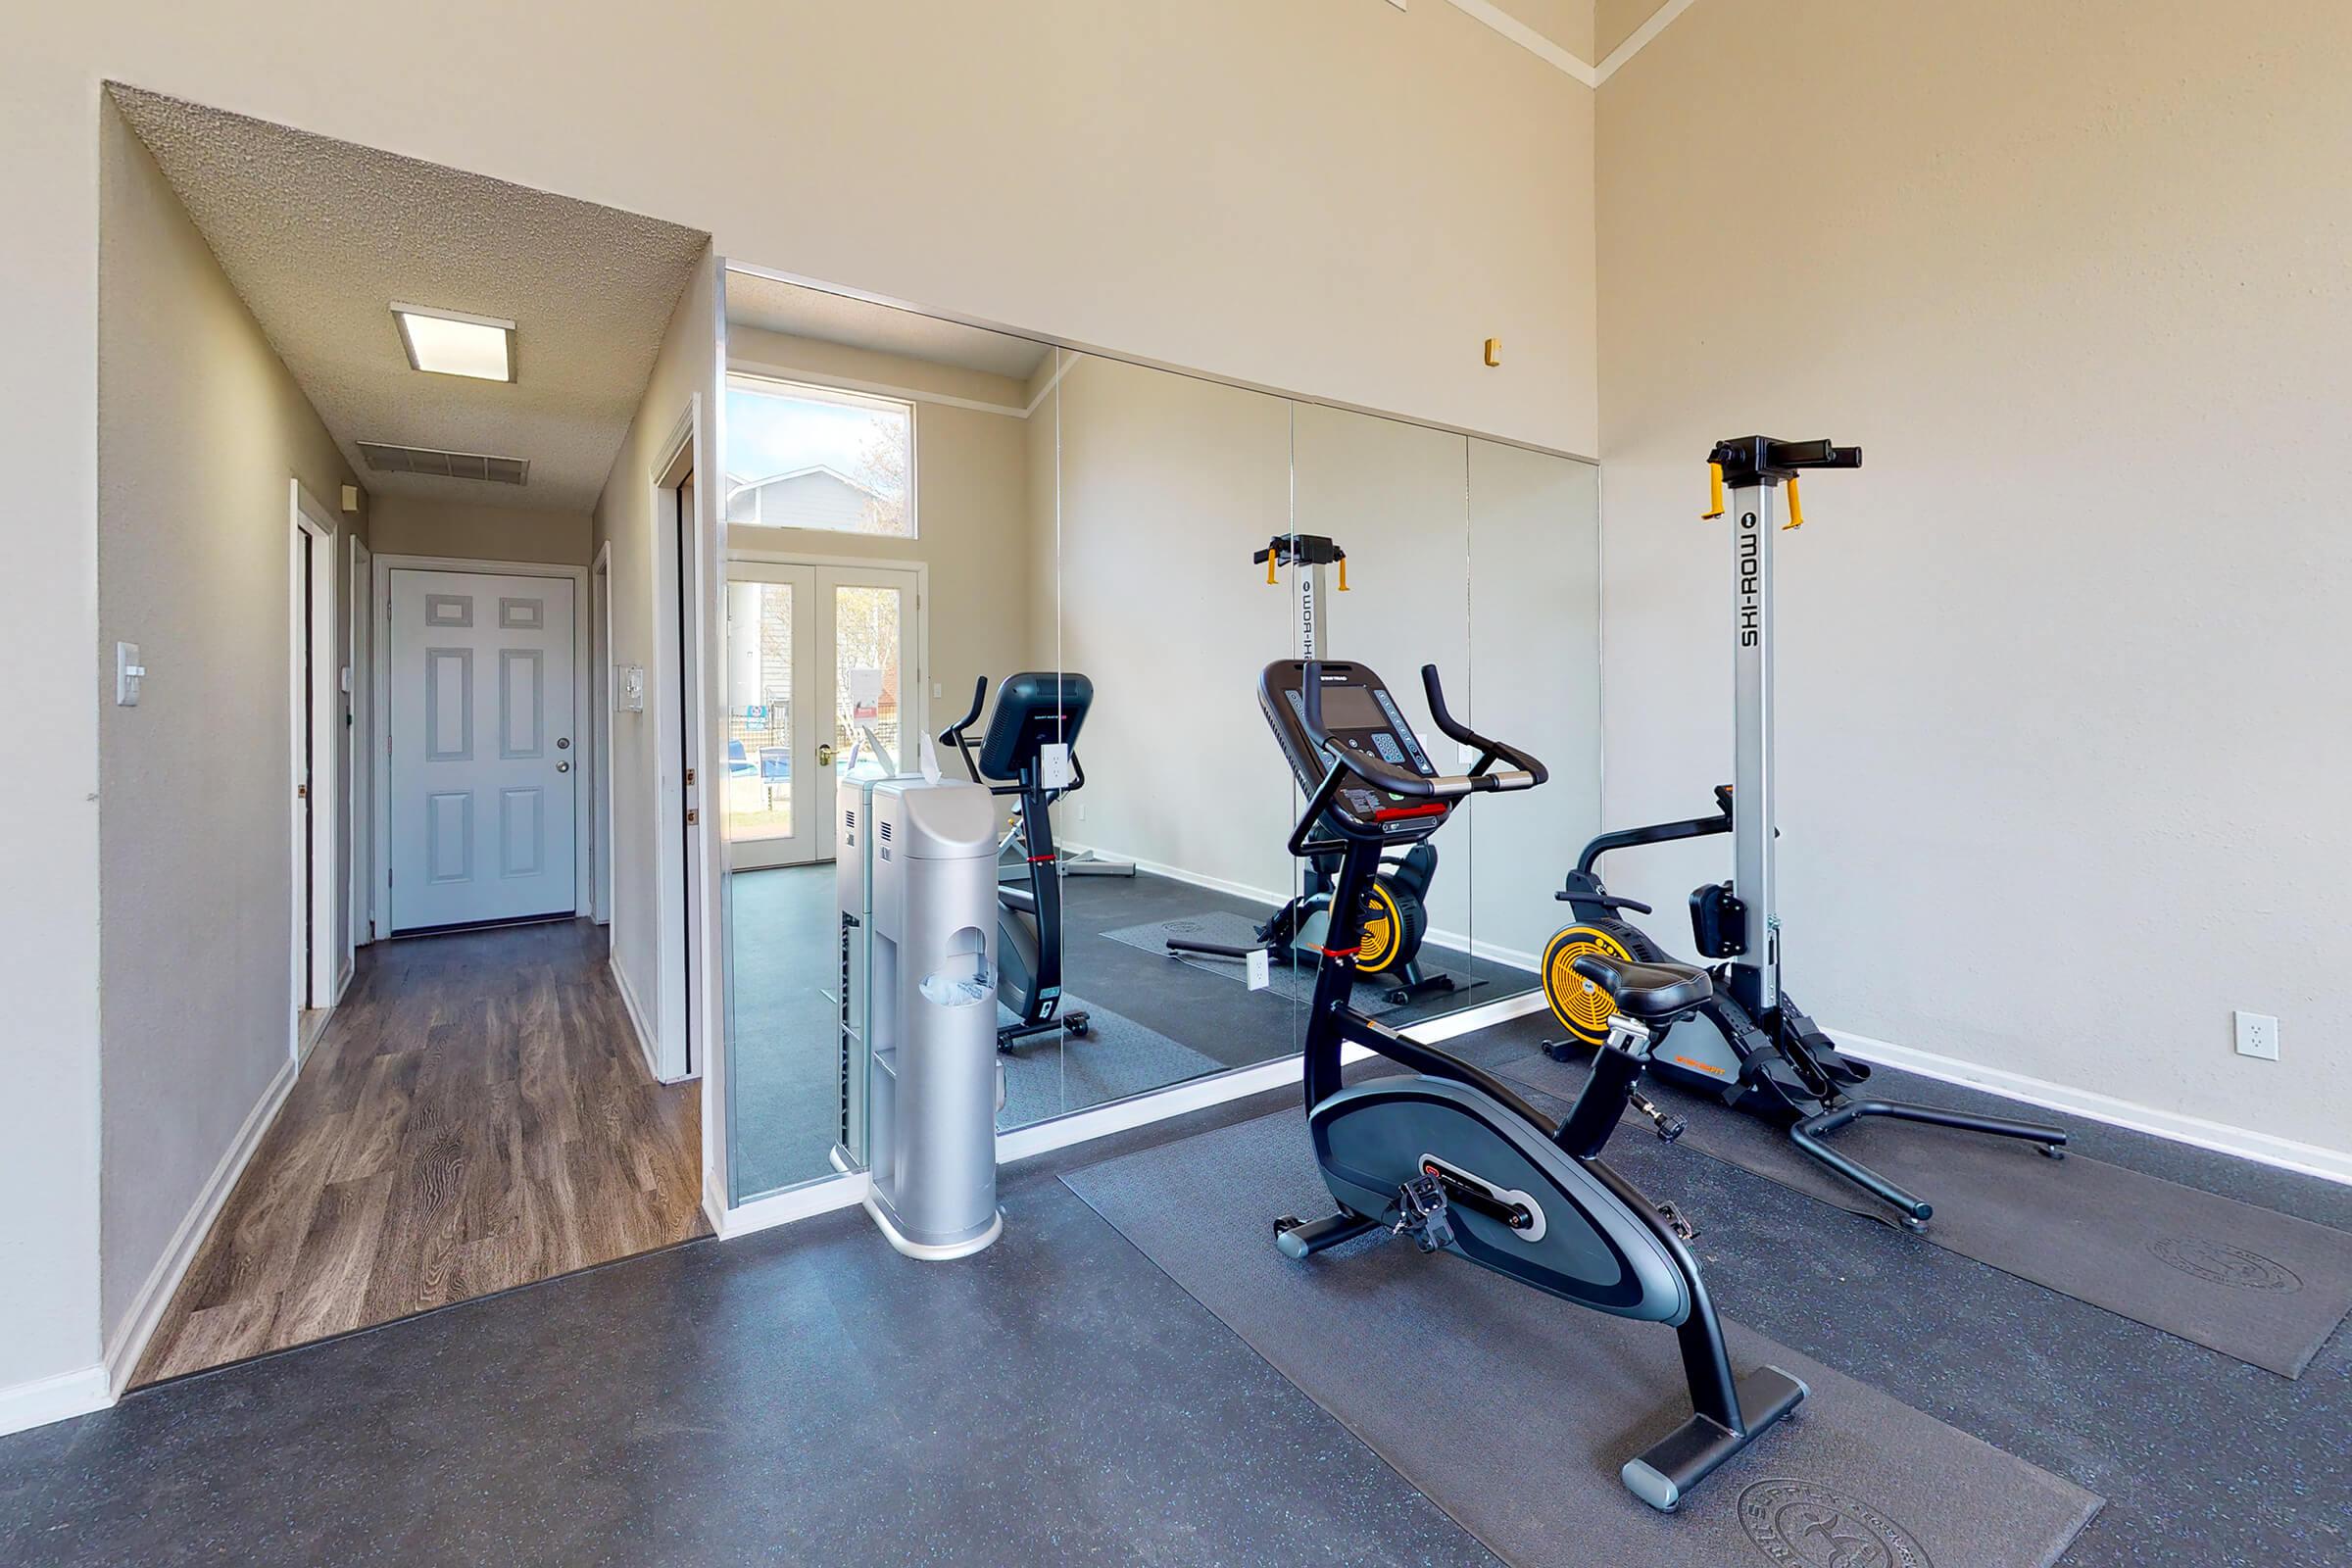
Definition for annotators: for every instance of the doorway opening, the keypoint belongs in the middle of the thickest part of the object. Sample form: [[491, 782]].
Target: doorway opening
[[319, 958]]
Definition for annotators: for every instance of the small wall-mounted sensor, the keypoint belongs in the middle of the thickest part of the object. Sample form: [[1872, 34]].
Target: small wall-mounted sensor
[[350, 498], [129, 672], [1494, 351]]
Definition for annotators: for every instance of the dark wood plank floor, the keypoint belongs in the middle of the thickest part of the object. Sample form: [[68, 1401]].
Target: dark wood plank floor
[[478, 1116]]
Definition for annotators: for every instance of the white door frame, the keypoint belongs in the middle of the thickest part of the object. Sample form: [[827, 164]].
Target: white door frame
[[358, 779], [599, 735], [685, 857], [381, 682], [310, 629]]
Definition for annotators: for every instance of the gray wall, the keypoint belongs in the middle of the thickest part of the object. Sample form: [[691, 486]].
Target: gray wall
[[199, 428]]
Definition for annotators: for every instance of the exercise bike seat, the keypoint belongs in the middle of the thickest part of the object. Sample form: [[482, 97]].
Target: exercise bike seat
[[1649, 992]]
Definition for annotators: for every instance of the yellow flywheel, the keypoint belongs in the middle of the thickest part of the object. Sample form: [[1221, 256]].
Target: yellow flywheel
[[1384, 926], [1583, 1008]]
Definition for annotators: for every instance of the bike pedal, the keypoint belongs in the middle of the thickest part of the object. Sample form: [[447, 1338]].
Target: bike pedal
[[1677, 1221]]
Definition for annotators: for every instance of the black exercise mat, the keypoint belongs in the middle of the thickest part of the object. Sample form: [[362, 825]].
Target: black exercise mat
[[1512, 1410], [1296, 981], [2262, 1287], [1047, 1076]]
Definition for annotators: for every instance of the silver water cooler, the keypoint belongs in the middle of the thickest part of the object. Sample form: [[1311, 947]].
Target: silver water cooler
[[916, 878]]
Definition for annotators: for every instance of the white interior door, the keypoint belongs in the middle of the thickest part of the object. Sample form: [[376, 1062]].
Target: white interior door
[[769, 815], [484, 748], [868, 670]]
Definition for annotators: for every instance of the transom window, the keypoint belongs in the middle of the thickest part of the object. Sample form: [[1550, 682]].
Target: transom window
[[818, 457]]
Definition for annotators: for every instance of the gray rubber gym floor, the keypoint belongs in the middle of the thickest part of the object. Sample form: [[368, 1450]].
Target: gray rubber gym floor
[[806, 1395]]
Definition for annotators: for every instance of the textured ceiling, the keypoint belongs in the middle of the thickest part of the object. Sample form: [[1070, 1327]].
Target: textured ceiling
[[319, 237], [777, 306]]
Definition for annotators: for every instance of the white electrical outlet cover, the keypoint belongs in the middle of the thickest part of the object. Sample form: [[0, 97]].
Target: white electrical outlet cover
[[1262, 970], [1054, 766]]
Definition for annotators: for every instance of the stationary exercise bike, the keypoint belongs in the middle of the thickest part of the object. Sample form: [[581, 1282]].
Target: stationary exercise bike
[[1029, 745], [1451, 1157], [1395, 916], [1748, 1044]]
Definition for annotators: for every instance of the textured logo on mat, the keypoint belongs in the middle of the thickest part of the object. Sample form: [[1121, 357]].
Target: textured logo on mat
[[2218, 1265], [1803, 1524]]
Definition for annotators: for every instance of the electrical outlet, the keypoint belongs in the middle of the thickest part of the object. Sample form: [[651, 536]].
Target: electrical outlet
[[2257, 1035]]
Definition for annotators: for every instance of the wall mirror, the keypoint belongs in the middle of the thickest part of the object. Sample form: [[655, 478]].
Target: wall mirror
[[925, 517]]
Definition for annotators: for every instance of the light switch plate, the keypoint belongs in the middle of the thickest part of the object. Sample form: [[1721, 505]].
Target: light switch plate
[[128, 673]]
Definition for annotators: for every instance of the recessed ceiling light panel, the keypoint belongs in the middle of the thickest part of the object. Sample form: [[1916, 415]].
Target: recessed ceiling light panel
[[453, 343]]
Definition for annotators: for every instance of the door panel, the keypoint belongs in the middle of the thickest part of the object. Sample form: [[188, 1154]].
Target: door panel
[[770, 718], [483, 782]]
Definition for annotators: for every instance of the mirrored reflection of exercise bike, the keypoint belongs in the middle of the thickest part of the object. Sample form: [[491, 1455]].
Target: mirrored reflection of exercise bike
[[1394, 916], [1029, 752], [1449, 1155]]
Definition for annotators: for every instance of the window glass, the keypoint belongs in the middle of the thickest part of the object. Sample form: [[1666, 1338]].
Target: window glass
[[808, 457]]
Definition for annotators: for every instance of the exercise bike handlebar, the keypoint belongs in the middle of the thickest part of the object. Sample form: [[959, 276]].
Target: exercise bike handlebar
[[1525, 772], [953, 733]]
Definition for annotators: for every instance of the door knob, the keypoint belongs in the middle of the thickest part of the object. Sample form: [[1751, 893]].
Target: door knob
[[562, 768], [563, 743], [824, 756]]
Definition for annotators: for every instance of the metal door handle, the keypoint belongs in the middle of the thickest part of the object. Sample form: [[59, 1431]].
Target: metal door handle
[[824, 756], [562, 768]]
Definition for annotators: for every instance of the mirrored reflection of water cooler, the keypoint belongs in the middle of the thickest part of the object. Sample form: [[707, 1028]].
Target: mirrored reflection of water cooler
[[915, 872]]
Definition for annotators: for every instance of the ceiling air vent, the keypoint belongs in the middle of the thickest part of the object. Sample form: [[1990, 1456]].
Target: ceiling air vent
[[445, 464]]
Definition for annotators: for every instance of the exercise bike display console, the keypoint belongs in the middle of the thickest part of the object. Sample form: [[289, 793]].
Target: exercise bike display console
[[1451, 1157]]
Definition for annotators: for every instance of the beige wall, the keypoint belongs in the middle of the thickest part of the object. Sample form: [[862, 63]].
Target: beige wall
[[2061, 675], [972, 484], [1325, 194], [199, 428], [648, 748], [406, 525], [1615, 20]]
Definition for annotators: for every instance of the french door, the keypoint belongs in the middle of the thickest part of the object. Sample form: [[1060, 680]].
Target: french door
[[822, 658]]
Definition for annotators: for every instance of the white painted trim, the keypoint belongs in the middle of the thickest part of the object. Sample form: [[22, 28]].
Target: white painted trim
[[684, 886], [1558, 56], [130, 1336], [1503, 1009], [1639, 39], [793, 1204], [637, 1020], [359, 778], [54, 1398], [379, 655], [1197, 880], [599, 735], [770, 371], [2244, 1142], [310, 871], [1122, 1115], [1528, 39]]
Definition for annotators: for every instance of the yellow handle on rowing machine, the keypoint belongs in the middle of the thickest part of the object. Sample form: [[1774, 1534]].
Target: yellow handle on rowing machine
[[1796, 507], [1343, 573], [1272, 582], [1714, 493]]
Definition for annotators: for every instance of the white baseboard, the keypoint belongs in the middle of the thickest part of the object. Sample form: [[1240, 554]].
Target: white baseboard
[[1177, 873], [782, 1208], [130, 1336], [2331, 1164], [637, 1021], [54, 1398]]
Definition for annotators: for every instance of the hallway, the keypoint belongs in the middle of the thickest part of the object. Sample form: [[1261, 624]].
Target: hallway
[[478, 1116]]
